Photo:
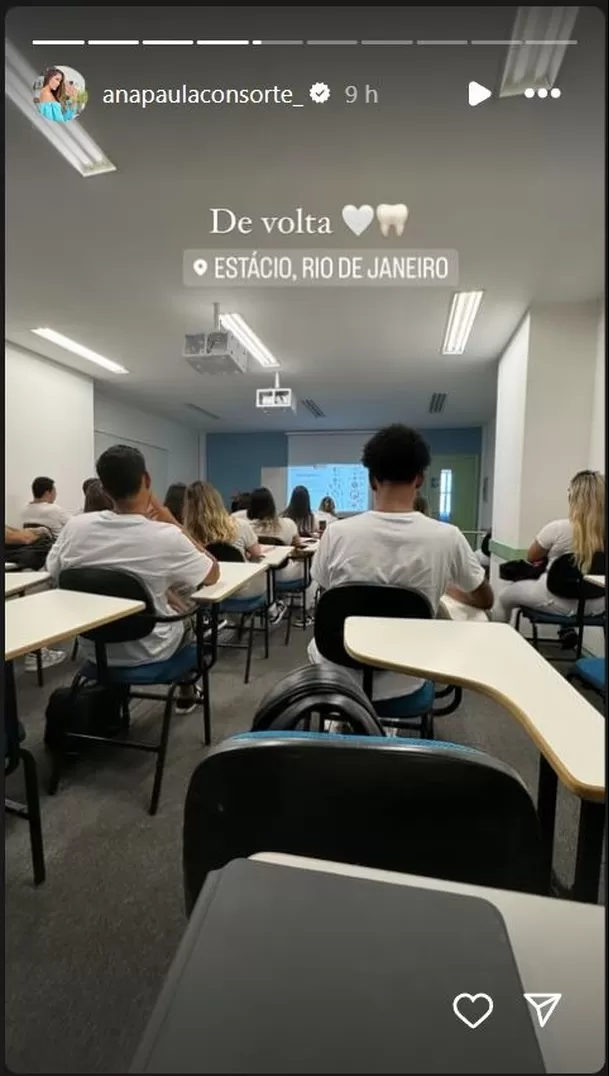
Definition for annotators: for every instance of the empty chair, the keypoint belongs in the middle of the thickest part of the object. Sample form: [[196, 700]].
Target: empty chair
[[368, 599], [566, 581], [439, 810]]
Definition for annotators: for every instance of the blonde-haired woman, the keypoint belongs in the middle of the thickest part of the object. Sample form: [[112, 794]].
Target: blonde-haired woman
[[582, 534], [207, 520]]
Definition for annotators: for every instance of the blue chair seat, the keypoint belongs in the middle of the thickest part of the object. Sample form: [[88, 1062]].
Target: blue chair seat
[[243, 605], [592, 671], [367, 741], [181, 663], [287, 585], [540, 616], [416, 704]]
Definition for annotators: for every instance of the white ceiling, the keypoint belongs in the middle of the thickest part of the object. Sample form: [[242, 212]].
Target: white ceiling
[[516, 186]]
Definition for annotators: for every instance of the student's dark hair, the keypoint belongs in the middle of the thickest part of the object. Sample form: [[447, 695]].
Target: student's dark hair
[[240, 502], [396, 454], [262, 504], [88, 482], [42, 485], [175, 500], [96, 498], [121, 470], [299, 510]]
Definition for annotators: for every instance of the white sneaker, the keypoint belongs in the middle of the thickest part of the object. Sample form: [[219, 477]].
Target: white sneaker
[[49, 658], [276, 613]]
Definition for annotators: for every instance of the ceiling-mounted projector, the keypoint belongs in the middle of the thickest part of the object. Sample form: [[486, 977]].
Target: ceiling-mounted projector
[[276, 399], [217, 352]]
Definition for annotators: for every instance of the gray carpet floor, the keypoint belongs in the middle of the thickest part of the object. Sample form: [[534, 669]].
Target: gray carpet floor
[[87, 952]]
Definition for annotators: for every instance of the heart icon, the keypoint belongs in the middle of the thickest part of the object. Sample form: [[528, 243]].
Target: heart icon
[[467, 1002], [358, 219]]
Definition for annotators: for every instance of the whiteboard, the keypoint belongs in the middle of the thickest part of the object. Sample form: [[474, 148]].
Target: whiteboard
[[346, 483], [157, 459]]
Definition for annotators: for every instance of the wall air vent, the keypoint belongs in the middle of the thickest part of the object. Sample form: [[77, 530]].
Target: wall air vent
[[202, 411], [315, 410], [436, 404]]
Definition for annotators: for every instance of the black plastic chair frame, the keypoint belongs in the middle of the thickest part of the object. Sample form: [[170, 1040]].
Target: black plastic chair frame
[[14, 755]]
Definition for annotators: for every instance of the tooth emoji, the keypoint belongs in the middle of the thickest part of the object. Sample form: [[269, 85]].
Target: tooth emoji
[[392, 215]]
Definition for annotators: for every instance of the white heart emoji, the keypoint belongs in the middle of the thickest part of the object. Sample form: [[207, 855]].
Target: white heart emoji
[[358, 219], [458, 1005]]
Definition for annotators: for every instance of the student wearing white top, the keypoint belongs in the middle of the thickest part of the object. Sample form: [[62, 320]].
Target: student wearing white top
[[397, 546], [207, 520], [139, 536], [262, 515], [582, 533], [326, 512], [299, 510], [42, 511]]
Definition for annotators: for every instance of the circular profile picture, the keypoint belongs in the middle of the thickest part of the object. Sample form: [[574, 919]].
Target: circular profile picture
[[60, 94]]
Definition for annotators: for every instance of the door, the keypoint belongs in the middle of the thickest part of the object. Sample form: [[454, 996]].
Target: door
[[451, 488]]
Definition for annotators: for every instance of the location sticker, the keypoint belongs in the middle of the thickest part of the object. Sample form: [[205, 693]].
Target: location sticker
[[200, 266]]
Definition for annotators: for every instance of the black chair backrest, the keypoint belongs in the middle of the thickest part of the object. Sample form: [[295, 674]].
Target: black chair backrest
[[269, 539], [436, 810], [116, 584], [566, 581], [361, 599], [225, 551], [485, 548], [313, 690]]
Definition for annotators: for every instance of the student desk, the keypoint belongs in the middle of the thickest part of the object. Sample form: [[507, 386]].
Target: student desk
[[451, 609], [496, 661], [233, 577], [50, 617], [19, 582], [557, 946], [598, 580]]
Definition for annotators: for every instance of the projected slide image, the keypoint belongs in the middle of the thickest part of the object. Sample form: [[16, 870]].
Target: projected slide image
[[345, 483]]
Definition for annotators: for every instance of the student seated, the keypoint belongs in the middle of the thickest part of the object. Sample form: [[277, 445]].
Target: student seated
[[139, 536], [208, 521], [240, 504], [96, 498], [23, 535], [397, 546], [582, 534], [299, 511], [175, 499], [326, 512], [42, 511]]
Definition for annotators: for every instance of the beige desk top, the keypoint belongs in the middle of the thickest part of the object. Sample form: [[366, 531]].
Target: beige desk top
[[598, 580], [54, 615], [17, 582], [233, 576], [275, 556], [495, 660], [558, 946]]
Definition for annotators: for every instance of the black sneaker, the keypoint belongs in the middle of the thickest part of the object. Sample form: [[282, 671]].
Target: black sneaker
[[187, 705]]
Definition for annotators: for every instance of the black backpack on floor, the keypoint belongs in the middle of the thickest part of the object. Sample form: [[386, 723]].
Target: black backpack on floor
[[90, 709]]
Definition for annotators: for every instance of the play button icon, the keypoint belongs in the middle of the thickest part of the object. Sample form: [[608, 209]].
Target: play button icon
[[476, 94]]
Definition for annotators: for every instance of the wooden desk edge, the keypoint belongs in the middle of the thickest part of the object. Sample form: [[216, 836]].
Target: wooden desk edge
[[200, 595], [594, 793], [59, 637]]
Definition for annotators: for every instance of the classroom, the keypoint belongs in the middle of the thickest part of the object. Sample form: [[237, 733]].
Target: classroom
[[305, 618]]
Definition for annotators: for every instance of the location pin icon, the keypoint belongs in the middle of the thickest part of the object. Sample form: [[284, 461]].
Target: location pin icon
[[200, 266]]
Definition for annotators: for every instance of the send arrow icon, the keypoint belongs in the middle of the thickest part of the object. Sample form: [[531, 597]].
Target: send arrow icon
[[476, 94], [544, 1005]]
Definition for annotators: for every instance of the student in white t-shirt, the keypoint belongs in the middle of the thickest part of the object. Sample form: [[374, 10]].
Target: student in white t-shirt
[[326, 512], [42, 511], [139, 536], [397, 546], [262, 515], [582, 533], [299, 510]]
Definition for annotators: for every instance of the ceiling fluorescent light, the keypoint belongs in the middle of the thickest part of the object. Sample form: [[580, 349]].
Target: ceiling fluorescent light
[[234, 323], [79, 349], [543, 34], [69, 139], [461, 319]]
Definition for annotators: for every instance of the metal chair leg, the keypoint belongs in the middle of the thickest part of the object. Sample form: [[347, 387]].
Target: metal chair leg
[[33, 815], [266, 631], [427, 729], [162, 752], [250, 643], [288, 629], [535, 639], [39, 672], [206, 705], [75, 650]]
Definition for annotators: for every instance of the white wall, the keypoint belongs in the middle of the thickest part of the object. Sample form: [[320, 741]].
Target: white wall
[[122, 422], [509, 436], [49, 430], [596, 459], [310, 448]]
